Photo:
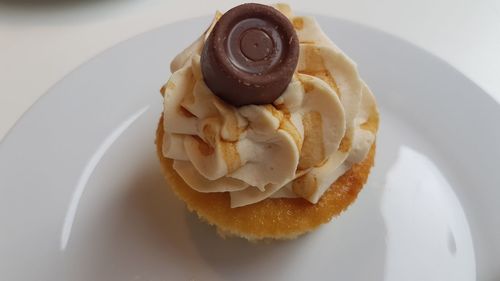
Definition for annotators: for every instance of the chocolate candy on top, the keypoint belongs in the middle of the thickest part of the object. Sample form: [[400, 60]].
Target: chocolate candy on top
[[250, 55]]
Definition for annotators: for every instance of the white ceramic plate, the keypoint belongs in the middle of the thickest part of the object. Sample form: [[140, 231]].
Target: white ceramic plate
[[82, 196]]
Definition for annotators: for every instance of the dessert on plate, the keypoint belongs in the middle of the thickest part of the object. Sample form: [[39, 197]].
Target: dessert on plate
[[267, 131]]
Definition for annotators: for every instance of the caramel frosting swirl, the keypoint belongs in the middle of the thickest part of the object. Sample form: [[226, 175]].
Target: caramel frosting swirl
[[322, 124]]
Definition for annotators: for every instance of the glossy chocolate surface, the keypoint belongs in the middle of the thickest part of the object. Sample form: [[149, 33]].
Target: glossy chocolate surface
[[250, 55]]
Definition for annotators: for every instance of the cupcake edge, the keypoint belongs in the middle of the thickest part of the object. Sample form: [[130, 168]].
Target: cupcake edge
[[272, 218]]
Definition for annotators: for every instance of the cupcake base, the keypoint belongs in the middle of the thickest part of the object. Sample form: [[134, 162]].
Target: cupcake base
[[272, 218]]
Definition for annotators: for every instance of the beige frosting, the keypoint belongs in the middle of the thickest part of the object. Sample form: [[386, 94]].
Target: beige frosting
[[296, 147]]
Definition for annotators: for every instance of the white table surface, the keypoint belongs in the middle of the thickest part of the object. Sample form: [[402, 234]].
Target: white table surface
[[43, 40]]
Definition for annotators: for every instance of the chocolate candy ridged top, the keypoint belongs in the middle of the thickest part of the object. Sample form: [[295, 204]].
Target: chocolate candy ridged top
[[250, 55]]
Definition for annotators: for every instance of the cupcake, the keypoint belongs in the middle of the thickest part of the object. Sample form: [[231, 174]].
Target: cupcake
[[268, 131]]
